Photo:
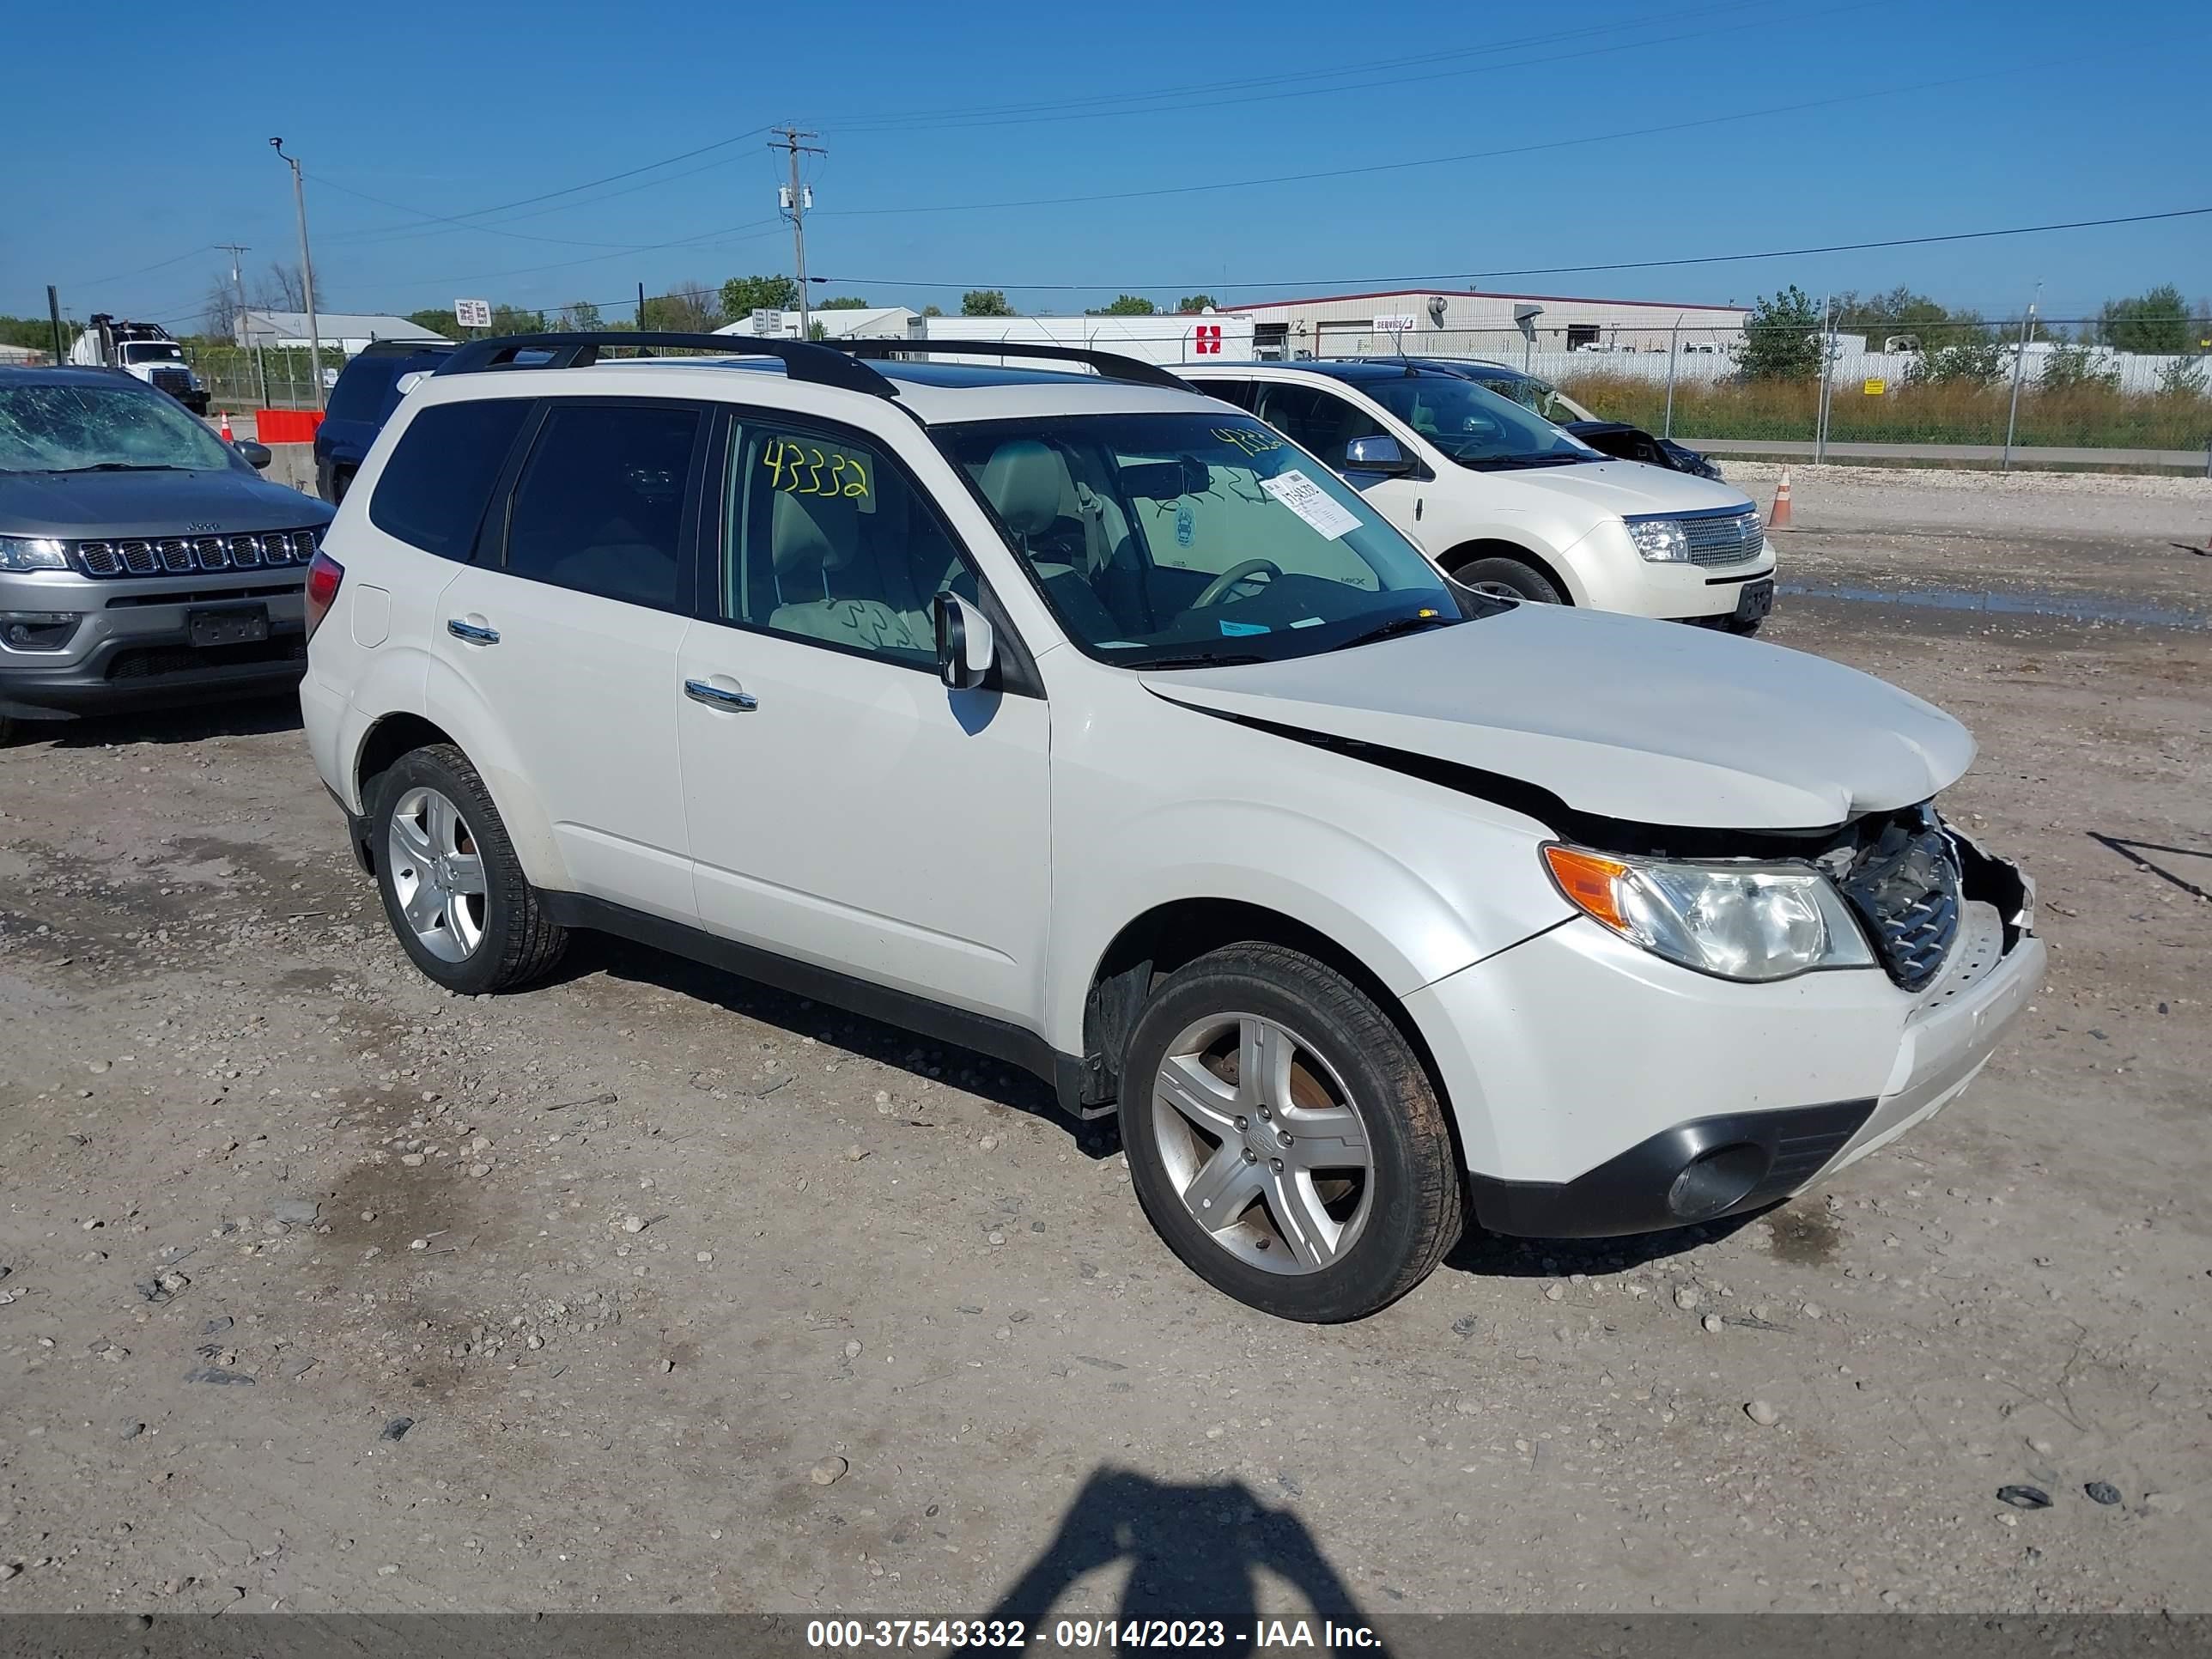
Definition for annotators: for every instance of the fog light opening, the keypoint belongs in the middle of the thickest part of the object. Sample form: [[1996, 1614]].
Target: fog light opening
[[1714, 1181]]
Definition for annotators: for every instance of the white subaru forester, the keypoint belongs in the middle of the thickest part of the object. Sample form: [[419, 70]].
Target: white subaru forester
[[1087, 722]]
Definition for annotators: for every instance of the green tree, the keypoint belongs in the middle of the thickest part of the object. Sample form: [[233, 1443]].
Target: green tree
[[1195, 302], [513, 319], [580, 317], [2068, 367], [439, 321], [743, 295], [985, 302], [932, 310], [1781, 337], [2182, 378], [2156, 321], [1128, 305], [687, 308], [843, 302]]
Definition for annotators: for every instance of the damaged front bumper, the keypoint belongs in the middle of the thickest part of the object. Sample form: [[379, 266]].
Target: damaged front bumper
[[1601, 1090]]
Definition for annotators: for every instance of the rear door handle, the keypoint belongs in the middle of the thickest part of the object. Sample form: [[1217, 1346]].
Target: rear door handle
[[719, 697], [474, 633]]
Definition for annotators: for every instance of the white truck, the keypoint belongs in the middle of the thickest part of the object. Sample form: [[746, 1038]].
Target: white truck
[[145, 351]]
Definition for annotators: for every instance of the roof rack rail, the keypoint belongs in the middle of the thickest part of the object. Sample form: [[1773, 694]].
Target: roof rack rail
[[1110, 365], [803, 360]]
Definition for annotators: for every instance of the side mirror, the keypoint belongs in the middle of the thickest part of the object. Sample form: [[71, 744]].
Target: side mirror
[[256, 455], [965, 648], [1380, 456]]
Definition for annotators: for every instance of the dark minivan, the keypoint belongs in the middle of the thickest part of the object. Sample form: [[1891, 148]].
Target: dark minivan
[[361, 402]]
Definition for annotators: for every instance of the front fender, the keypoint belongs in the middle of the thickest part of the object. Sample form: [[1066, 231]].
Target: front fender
[[1409, 917]]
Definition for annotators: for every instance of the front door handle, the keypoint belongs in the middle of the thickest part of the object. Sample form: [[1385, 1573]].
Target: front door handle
[[474, 633], [719, 697]]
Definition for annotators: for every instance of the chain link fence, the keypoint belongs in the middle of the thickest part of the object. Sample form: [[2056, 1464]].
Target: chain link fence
[[261, 377], [1967, 388]]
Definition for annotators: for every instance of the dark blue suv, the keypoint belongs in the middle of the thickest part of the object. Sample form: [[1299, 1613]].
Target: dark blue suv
[[361, 402]]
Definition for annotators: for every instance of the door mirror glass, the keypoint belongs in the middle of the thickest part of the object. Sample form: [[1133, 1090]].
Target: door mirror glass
[[256, 454], [965, 648], [1378, 455]]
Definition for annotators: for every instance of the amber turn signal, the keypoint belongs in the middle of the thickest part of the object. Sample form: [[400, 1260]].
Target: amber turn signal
[[1589, 879]]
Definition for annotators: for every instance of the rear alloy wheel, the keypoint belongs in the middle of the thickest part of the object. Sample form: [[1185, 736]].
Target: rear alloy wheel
[[453, 889], [1283, 1138], [1508, 579]]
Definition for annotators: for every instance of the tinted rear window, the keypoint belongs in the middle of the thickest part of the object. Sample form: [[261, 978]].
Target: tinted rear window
[[358, 395], [433, 490]]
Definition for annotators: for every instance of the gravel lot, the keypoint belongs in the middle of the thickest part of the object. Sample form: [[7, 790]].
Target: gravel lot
[[320, 1290]]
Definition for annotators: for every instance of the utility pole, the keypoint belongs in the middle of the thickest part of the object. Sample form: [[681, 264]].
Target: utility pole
[[54, 312], [245, 324], [2019, 365], [797, 198], [306, 273]]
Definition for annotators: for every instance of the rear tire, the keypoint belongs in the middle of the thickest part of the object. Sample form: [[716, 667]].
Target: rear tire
[[1328, 1185], [1508, 579], [453, 889], [6, 730]]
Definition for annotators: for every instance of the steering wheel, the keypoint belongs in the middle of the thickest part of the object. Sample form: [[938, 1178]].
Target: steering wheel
[[1242, 571]]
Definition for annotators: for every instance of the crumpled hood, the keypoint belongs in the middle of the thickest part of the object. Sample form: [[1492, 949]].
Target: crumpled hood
[[1654, 722], [1630, 489], [75, 505]]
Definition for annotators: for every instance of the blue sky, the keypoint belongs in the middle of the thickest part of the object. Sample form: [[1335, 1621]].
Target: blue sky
[[1889, 119]]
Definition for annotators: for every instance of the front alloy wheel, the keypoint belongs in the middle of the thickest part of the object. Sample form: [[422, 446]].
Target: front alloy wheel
[[1285, 1138], [1263, 1143]]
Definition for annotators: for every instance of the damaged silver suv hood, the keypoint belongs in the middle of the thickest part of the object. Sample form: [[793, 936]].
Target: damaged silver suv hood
[[1654, 722]]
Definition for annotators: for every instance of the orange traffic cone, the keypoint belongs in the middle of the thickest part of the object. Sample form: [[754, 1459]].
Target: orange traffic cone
[[1779, 518], [224, 430]]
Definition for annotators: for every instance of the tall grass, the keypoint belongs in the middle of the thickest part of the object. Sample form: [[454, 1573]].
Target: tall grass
[[2087, 416]]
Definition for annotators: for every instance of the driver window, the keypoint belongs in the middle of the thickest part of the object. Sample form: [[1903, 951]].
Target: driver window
[[1315, 421], [827, 543]]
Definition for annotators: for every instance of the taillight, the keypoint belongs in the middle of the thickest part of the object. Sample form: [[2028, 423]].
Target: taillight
[[324, 576]]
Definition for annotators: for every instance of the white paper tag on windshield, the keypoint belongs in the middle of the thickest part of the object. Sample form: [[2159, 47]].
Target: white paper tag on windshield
[[1311, 502]]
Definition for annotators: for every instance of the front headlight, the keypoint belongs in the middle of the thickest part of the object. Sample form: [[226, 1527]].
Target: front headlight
[[1661, 541], [1737, 920], [32, 553]]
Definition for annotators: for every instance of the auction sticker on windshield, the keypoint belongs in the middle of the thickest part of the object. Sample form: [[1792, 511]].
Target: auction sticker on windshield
[[1311, 502]]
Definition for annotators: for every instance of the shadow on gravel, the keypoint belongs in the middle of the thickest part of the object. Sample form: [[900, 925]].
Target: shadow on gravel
[[1493, 1256], [2134, 852], [193, 723], [887, 1045], [1195, 1553]]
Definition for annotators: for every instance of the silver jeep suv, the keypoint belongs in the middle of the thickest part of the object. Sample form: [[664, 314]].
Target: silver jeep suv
[[141, 559]]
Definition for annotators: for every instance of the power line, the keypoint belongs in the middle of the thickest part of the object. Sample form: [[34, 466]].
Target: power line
[[1430, 161], [1432, 280], [571, 189], [163, 265], [1219, 93]]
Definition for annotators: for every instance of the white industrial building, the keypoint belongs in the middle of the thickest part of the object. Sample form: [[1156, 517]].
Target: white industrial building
[[840, 322], [283, 329], [1447, 322]]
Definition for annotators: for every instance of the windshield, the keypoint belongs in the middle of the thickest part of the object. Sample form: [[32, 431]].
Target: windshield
[[154, 351], [1473, 425], [1541, 396], [75, 428], [1185, 540]]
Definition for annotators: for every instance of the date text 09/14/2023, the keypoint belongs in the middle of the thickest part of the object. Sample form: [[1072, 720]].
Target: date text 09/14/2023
[[1082, 1635]]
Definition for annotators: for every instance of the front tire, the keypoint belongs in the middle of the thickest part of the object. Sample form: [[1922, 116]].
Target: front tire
[[452, 887], [1508, 579], [1285, 1139]]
